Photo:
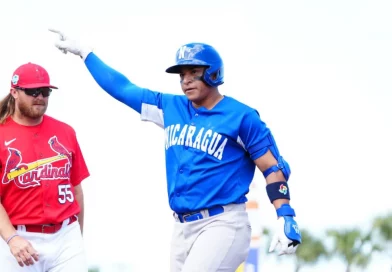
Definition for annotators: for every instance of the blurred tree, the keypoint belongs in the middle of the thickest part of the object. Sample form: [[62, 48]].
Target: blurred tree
[[310, 251], [93, 269], [384, 225], [266, 232], [354, 247], [383, 228]]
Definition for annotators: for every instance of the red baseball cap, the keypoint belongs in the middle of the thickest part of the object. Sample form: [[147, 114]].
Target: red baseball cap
[[31, 76]]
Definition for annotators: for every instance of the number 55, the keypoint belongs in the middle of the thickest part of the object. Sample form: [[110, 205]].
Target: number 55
[[65, 193]]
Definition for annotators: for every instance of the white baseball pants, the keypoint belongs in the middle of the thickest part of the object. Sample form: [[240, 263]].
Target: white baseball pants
[[213, 244], [62, 251]]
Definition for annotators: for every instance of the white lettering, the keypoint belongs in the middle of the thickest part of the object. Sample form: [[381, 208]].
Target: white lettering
[[203, 139], [191, 131], [219, 153], [173, 136], [167, 130], [182, 135], [204, 144], [214, 143], [196, 144], [181, 52]]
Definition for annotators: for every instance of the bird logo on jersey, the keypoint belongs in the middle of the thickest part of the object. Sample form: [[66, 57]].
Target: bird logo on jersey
[[29, 175]]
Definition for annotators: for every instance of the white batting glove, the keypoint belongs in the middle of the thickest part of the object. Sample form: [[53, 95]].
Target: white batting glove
[[64, 44], [287, 236]]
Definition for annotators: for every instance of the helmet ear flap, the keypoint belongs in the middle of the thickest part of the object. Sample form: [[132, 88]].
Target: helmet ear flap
[[214, 76], [214, 79]]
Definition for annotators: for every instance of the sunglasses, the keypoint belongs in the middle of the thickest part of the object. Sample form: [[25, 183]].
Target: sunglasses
[[36, 91]]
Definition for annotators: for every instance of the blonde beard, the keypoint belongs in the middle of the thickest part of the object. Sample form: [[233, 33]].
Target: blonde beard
[[31, 112]]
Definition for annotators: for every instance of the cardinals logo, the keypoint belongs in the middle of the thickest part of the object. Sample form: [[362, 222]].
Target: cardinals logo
[[29, 175]]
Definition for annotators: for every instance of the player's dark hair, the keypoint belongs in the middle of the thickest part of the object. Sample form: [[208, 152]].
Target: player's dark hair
[[7, 107]]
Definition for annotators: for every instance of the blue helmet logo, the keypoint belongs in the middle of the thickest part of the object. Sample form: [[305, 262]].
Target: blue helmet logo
[[200, 54]]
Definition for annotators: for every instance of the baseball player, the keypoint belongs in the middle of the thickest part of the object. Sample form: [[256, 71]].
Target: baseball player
[[41, 170], [213, 144]]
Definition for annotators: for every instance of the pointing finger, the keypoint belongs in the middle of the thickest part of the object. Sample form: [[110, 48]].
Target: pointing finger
[[62, 36]]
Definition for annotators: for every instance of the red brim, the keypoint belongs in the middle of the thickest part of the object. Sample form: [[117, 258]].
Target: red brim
[[37, 85]]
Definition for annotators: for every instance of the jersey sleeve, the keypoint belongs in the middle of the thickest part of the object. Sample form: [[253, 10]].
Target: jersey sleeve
[[152, 107], [79, 170], [115, 83], [254, 135], [146, 102]]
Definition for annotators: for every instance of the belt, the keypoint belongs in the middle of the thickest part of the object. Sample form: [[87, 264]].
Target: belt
[[48, 228], [193, 216]]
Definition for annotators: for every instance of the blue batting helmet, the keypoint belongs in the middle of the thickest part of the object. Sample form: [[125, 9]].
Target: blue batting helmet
[[200, 54]]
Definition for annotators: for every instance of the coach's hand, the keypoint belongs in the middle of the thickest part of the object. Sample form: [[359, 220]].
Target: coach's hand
[[23, 251], [287, 236], [64, 44]]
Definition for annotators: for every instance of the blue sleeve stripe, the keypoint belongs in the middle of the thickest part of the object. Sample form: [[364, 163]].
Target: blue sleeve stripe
[[115, 83], [261, 152], [260, 148]]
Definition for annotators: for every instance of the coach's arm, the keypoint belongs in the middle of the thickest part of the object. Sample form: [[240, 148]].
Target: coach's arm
[[20, 248], [6, 228], [80, 199]]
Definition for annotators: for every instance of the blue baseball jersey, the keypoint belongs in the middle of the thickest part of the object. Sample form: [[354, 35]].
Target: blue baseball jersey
[[209, 153]]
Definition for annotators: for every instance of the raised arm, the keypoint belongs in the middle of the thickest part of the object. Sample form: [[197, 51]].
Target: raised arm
[[113, 82]]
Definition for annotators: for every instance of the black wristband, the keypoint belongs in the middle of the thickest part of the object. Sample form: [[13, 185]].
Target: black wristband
[[278, 190]]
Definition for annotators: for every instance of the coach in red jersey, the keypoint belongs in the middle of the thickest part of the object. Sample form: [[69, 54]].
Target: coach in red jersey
[[42, 167]]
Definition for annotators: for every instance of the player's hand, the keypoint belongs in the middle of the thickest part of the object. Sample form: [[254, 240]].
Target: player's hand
[[64, 44], [287, 236], [23, 251]]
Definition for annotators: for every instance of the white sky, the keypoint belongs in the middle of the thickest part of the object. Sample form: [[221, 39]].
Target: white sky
[[319, 73]]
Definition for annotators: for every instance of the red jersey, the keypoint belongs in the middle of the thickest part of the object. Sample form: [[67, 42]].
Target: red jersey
[[40, 166]]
